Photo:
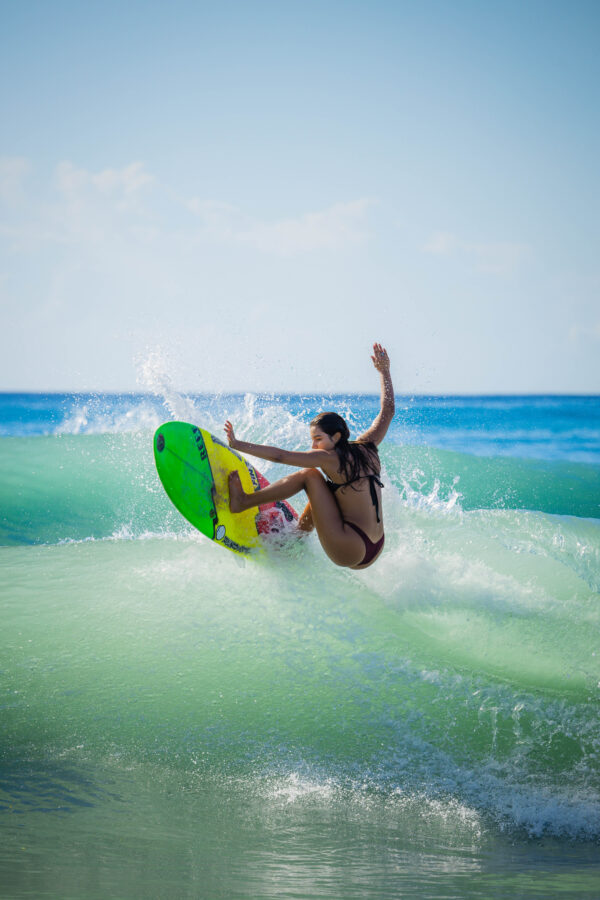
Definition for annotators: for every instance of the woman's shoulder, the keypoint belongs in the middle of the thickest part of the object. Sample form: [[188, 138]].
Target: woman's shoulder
[[369, 454], [371, 446]]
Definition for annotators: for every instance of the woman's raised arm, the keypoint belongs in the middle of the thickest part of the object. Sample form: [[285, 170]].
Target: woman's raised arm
[[381, 423], [303, 459]]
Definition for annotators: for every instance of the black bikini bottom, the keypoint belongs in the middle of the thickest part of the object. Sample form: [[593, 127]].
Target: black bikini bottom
[[371, 549]]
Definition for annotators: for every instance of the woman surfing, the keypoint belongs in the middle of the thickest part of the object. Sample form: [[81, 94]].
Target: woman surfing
[[344, 507]]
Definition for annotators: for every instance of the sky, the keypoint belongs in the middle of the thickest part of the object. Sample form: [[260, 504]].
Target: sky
[[244, 196]]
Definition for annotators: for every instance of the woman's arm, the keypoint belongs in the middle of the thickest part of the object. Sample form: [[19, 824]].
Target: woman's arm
[[381, 423], [309, 458]]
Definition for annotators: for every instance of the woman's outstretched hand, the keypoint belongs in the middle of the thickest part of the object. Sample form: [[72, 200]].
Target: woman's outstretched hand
[[230, 434], [381, 360]]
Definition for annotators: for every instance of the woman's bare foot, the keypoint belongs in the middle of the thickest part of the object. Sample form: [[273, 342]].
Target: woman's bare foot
[[237, 497]]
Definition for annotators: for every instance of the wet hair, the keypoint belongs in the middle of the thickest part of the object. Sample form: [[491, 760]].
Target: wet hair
[[355, 457]]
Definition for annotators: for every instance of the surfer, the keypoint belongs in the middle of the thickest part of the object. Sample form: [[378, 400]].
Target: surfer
[[344, 507]]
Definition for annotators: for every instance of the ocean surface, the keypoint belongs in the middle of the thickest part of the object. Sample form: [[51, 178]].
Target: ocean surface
[[177, 722]]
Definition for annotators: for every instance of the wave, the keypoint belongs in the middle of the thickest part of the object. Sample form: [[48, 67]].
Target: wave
[[460, 673], [434, 675], [475, 482], [72, 487]]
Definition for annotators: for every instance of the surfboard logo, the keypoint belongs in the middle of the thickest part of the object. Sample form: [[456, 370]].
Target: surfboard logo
[[199, 442], [253, 475]]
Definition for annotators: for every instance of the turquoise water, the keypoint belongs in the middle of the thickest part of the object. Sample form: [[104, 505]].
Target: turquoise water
[[177, 722]]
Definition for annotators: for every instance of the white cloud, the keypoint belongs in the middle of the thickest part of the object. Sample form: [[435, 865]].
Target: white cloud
[[441, 243], [70, 179], [130, 179], [126, 181], [580, 333], [120, 239], [12, 171], [495, 258], [78, 206], [121, 189], [85, 207], [338, 226], [219, 220], [96, 211]]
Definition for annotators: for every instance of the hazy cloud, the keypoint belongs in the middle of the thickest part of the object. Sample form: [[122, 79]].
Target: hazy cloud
[[127, 180], [579, 333], [74, 206], [82, 206], [496, 258], [337, 226], [12, 171]]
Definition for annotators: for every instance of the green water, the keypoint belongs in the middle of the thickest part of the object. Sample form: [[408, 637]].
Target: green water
[[149, 833], [177, 722]]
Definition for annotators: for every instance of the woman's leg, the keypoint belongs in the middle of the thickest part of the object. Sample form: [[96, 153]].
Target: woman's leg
[[341, 543], [279, 490], [305, 522]]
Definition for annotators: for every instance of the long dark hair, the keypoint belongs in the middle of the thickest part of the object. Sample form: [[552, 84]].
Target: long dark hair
[[355, 458]]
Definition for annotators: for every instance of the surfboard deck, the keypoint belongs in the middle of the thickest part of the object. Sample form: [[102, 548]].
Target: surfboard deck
[[194, 467]]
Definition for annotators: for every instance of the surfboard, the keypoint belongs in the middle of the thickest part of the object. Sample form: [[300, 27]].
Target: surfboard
[[194, 467]]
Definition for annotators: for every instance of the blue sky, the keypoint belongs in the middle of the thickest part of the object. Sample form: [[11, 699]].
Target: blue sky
[[244, 196]]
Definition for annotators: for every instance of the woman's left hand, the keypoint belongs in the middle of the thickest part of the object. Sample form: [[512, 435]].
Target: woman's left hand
[[380, 358], [230, 434]]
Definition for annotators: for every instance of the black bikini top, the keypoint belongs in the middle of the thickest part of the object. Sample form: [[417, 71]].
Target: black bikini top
[[373, 480]]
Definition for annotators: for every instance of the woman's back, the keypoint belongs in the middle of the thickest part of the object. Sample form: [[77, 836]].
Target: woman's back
[[358, 489]]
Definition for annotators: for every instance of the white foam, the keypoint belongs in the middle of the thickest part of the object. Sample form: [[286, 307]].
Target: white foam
[[128, 533], [93, 417], [415, 498], [154, 370], [295, 787]]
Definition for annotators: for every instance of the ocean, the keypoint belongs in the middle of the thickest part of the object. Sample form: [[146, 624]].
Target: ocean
[[178, 722]]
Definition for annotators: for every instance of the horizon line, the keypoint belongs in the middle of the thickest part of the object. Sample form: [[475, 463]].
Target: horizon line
[[308, 393]]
